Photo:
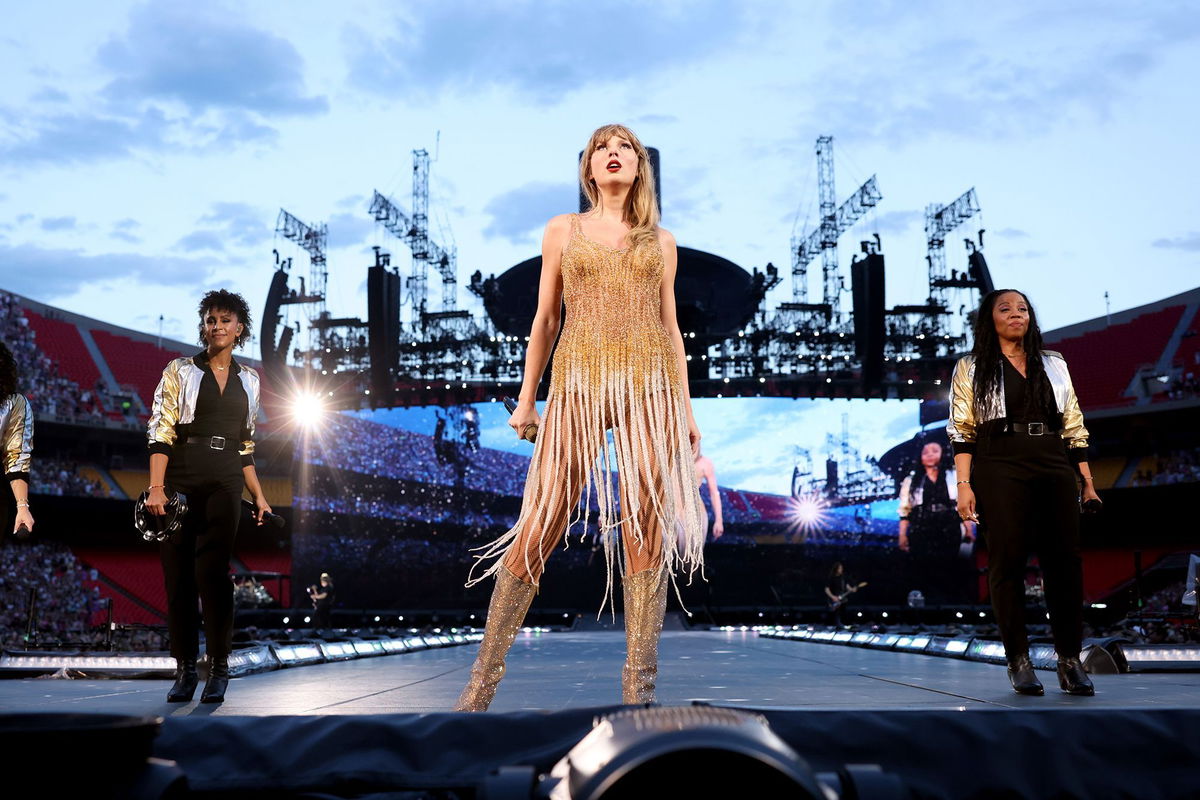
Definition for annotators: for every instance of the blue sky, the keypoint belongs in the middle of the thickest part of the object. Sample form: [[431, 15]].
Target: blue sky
[[145, 149]]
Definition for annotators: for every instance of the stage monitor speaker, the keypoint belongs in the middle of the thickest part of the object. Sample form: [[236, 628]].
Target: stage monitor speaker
[[979, 271], [273, 357], [867, 283], [383, 326]]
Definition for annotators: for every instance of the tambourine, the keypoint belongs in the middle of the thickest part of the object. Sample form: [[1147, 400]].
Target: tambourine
[[155, 528]]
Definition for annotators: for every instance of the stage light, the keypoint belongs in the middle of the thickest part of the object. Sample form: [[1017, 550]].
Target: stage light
[[958, 614], [1158, 657], [697, 751], [307, 620], [884, 615], [807, 512], [286, 620], [308, 409], [377, 619]]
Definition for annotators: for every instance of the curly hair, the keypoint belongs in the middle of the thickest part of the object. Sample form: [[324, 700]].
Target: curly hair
[[8, 372], [225, 300], [988, 360]]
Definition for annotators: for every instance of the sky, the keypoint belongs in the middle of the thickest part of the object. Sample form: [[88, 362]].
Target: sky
[[753, 442], [146, 148]]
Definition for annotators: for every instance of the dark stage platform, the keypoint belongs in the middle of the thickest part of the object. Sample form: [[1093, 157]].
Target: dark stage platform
[[948, 728]]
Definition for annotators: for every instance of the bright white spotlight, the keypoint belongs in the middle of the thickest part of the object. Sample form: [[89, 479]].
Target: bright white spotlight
[[807, 513], [308, 409]]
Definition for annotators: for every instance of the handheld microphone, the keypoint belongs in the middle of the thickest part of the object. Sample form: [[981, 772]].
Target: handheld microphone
[[22, 532], [529, 433], [270, 517]]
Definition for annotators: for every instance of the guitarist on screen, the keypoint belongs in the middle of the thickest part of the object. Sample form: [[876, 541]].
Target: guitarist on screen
[[836, 592]]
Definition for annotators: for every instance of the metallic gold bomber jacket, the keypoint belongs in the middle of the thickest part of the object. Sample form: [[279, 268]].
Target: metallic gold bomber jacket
[[16, 433], [962, 425], [175, 404]]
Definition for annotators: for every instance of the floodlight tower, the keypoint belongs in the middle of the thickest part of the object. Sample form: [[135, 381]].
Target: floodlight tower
[[414, 231], [939, 222], [312, 238], [823, 239]]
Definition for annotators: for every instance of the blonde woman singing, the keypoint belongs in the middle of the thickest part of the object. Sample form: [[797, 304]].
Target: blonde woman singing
[[620, 366]]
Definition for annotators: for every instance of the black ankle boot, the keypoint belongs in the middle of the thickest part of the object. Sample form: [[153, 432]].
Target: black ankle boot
[[185, 681], [1073, 679], [218, 681], [1024, 680]]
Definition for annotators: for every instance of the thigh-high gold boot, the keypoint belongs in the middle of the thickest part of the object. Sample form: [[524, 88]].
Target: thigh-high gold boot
[[506, 611], [645, 606]]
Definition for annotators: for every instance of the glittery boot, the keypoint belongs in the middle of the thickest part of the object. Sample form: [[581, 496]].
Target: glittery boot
[[645, 606], [506, 611]]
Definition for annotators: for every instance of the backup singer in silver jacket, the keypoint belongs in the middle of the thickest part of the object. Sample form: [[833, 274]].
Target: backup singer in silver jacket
[[201, 443], [16, 436], [1018, 433]]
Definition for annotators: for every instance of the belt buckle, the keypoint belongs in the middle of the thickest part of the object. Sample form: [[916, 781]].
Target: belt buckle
[[1037, 428], [216, 443]]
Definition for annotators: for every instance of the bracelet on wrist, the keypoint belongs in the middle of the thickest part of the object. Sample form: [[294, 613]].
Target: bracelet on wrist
[[960, 483], [23, 505], [160, 486]]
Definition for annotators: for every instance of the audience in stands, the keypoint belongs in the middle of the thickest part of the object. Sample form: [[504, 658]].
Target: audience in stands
[[1177, 466], [50, 393], [64, 606], [62, 478], [1184, 386]]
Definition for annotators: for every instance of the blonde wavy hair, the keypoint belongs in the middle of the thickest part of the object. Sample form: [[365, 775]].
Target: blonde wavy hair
[[641, 207]]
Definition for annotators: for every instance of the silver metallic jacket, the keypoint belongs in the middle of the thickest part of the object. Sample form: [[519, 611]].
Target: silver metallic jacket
[[16, 433], [175, 404], [963, 424], [912, 490]]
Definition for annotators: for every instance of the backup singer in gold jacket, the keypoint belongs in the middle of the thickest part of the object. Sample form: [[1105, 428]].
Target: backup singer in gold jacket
[[16, 436], [1019, 446], [201, 443]]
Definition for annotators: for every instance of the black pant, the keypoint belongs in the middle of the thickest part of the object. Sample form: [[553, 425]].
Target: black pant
[[934, 542], [1028, 500], [195, 561]]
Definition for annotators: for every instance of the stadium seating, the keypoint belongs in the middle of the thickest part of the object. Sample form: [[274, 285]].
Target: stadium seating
[[134, 363], [1103, 362], [61, 342], [138, 574]]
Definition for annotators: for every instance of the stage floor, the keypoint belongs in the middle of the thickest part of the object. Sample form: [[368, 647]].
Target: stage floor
[[575, 670]]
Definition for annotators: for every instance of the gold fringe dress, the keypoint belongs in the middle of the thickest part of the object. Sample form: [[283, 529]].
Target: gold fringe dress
[[615, 368]]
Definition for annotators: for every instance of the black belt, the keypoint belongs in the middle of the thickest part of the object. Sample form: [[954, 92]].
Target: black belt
[[211, 442], [1031, 429], [933, 508]]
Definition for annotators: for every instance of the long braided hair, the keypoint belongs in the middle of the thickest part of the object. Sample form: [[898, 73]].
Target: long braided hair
[[1039, 396]]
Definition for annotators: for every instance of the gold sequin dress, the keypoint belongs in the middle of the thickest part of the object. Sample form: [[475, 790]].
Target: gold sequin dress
[[615, 369]]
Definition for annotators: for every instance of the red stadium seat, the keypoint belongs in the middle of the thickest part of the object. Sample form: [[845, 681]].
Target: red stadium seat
[[134, 363], [1104, 362], [61, 342]]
